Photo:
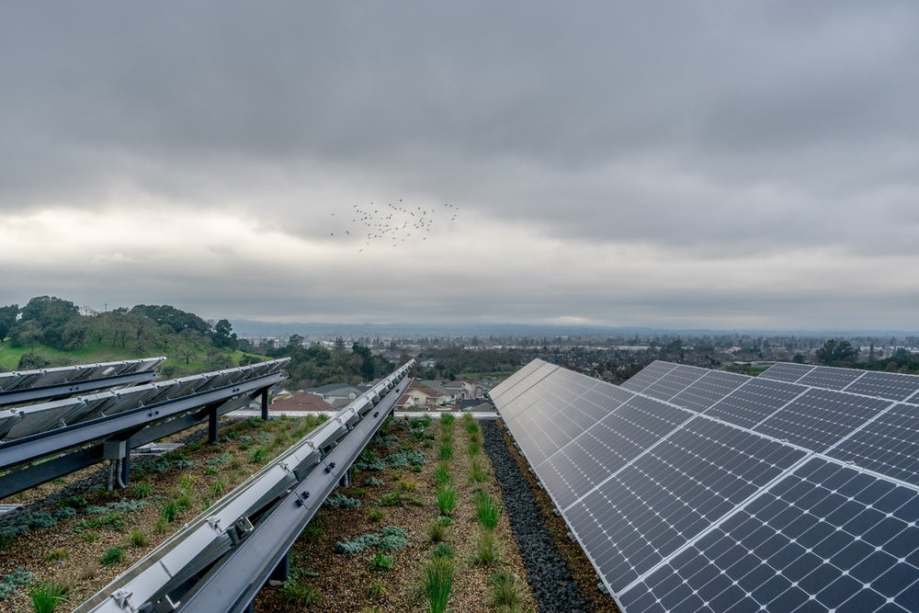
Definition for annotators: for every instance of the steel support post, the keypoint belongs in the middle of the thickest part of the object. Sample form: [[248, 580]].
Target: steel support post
[[281, 571], [212, 424], [265, 404]]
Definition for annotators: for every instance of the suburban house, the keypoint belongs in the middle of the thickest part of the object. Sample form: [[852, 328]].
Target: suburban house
[[301, 401], [336, 394]]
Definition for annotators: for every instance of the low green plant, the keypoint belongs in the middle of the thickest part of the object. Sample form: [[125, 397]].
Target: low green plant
[[170, 511], [442, 474], [142, 489], [381, 561], [47, 596], [376, 590], [438, 581], [375, 515], [11, 582], [112, 556], [297, 592], [437, 532], [446, 421], [477, 474], [56, 555], [487, 511], [486, 550], [474, 448], [505, 591], [89, 536], [373, 482], [340, 501], [446, 452], [391, 499], [443, 550], [407, 485], [138, 539], [446, 500], [258, 455], [218, 487]]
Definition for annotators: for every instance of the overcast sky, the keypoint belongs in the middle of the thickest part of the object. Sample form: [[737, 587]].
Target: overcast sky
[[694, 164]]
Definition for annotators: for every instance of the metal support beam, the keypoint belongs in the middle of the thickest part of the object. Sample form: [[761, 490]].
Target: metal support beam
[[233, 585], [281, 571], [265, 404], [212, 425]]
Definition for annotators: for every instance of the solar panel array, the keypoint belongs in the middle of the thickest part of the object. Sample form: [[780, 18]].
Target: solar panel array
[[39, 418], [699, 490]]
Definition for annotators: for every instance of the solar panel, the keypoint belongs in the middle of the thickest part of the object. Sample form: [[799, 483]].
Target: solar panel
[[755, 401], [708, 390], [820, 418], [38, 418], [888, 445], [672, 493], [606, 447], [783, 371], [648, 375], [48, 377], [735, 509], [525, 383], [515, 378], [831, 378], [674, 382], [825, 538], [893, 386]]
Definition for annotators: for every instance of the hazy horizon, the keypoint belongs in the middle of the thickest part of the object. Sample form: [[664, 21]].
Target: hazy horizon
[[708, 166]]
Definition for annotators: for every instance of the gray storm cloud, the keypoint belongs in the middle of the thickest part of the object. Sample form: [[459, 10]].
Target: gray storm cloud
[[718, 164]]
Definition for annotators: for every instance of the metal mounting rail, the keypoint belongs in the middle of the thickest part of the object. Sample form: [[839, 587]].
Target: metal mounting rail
[[30, 385], [120, 421], [221, 560]]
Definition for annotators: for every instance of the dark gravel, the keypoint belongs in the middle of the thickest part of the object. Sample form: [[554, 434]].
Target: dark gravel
[[547, 572]]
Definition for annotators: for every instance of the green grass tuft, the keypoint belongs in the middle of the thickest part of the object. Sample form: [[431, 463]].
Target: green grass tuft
[[438, 581], [47, 596]]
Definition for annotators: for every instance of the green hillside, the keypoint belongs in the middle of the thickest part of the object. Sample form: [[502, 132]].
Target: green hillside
[[51, 332]]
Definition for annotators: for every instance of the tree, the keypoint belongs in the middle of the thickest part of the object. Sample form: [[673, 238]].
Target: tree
[[56, 320], [8, 316], [837, 352], [170, 316], [224, 335]]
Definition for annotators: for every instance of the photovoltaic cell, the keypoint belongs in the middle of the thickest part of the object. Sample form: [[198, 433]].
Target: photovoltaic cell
[[820, 418], [824, 538], [671, 494], [606, 447], [509, 397], [888, 445], [886, 385], [648, 375], [708, 390], [674, 382], [831, 378], [499, 390], [783, 371], [754, 401]]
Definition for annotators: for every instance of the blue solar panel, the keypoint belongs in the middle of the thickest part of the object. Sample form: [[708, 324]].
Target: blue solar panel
[[671, 494], [886, 385], [708, 390], [820, 418], [606, 447], [888, 445], [755, 401], [831, 378], [648, 375], [825, 538], [674, 382], [786, 372]]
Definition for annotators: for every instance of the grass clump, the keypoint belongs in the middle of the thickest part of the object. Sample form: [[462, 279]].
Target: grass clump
[[474, 448], [487, 511], [505, 591], [438, 581], [56, 555], [296, 592], [375, 515], [446, 500], [407, 485], [486, 550], [446, 452], [138, 539], [47, 596], [218, 488], [376, 590], [381, 561], [392, 499], [437, 532], [446, 421], [258, 455], [142, 489], [477, 474], [442, 474], [112, 556]]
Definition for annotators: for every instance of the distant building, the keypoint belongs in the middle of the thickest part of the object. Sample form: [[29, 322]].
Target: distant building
[[336, 394], [301, 401]]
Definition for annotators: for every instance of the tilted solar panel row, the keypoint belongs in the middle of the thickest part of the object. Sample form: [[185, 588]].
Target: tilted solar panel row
[[891, 386], [655, 485]]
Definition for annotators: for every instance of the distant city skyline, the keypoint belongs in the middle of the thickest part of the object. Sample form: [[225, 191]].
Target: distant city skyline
[[720, 166]]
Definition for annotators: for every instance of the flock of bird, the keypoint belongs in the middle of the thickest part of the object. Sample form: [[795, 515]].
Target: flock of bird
[[394, 223]]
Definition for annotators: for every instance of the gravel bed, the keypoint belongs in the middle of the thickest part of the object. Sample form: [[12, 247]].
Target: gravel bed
[[550, 579]]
